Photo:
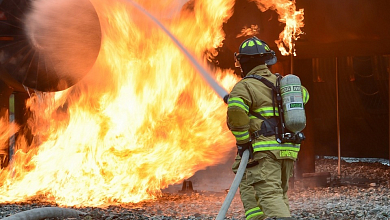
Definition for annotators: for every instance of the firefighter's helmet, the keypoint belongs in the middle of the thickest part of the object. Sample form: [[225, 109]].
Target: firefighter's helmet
[[255, 47]]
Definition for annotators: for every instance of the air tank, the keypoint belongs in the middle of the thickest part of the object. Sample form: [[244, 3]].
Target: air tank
[[293, 106]]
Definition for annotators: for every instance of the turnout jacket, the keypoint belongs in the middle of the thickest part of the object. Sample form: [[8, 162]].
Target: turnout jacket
[[252, 95]]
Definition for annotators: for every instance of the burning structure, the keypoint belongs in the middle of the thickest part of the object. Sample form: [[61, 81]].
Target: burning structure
[[134, 116]]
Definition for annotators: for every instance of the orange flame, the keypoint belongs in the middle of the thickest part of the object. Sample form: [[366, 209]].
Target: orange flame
[[141, 120], [293, 19], [253, 30], [5, 136]]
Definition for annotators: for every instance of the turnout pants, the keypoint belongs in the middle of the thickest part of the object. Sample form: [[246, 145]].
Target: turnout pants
[[247, 195], [270, 181]]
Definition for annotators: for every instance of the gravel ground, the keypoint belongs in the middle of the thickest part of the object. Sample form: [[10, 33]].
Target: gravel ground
[[362, 192]]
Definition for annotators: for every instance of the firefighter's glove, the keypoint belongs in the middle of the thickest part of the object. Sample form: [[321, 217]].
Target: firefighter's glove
[[226, 98], [247, 146]]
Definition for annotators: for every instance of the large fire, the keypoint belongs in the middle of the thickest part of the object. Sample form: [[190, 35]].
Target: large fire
[[141, 120]]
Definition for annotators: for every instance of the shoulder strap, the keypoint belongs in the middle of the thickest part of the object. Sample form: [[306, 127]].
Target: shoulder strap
[[266, 82], [270, 85]]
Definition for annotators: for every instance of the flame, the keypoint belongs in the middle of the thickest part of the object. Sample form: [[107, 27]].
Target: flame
[[293, 19], [253, 30], [141, 120], [5, 135]]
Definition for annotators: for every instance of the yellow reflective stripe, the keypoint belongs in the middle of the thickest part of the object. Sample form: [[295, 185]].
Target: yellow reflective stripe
[[274, 145], [305, 95], [253, 212], [258, 42], [267, 111], [251, 44], [263, 148], [264, 109], [270, 113], [238, 105], [252, 117], [241, 135], [238, 102]]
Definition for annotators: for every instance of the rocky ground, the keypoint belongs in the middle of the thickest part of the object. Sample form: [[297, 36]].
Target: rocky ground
[[362, 192]]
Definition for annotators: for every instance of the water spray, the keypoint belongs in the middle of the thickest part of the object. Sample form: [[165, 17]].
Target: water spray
[[221, 92], [205, 73]]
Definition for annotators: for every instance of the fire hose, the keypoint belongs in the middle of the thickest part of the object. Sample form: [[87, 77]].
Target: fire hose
[[234, 186], [45, 212]]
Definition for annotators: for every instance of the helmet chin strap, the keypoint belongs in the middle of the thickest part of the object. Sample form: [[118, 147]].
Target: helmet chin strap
[[242, 73], [248, 66]]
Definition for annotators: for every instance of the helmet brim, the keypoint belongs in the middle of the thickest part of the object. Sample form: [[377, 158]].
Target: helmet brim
[[271, 61]]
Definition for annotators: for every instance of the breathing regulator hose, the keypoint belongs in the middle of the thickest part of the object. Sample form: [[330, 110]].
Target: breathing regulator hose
[[233, 188]]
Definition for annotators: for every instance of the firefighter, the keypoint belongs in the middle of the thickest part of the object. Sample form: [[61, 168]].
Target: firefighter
[[247, 193], [271, 163]]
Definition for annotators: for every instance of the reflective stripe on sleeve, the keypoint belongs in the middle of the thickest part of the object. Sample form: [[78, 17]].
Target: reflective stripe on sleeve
[[241, 135], [252, 116], [239, 103]]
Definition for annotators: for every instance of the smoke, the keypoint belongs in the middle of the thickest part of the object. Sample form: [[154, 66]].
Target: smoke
[[66, 34]]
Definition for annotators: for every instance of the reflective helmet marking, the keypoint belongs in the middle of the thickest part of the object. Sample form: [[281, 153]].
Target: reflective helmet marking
[[267, 48], [251, 43]]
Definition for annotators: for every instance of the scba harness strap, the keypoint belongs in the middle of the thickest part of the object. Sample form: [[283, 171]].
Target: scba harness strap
[[267, 129], [274, 125], [269, 126]]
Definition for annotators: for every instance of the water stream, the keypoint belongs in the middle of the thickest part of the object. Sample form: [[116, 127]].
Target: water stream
[[205, 73]]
